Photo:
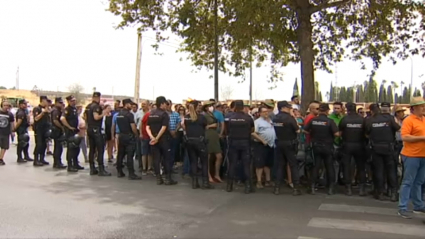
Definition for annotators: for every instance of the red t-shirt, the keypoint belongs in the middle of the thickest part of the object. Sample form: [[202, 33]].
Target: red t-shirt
[[308, 118], [144, 123]]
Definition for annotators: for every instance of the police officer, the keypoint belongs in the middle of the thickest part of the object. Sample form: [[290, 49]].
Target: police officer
[[195, 125], [94, 115], [286, 128], [21, 128], [127, 139], [381, 131], [57, 133], [240, 128], [352, 132], [69, 120], [157, 129], [41, 128], [322, 131]]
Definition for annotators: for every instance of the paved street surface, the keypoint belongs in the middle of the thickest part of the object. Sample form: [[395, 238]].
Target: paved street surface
[[46, 203]]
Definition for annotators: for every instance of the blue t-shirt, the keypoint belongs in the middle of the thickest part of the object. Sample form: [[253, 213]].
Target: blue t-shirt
[[220, 119], [114, 121]]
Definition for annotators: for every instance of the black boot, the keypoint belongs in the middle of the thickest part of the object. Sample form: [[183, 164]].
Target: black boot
[[229, 186], [248, 187], [206, 184], [134, 176], [313, 189], [120, 174], [27, 157], [77, 164], [348, 191], [43, 161], [21, 160], [394, 197], [362, 190], [159, 180], [296, 191], [379, 196], [277, 189], [93, 170], [195, 183], [103, 172], [37, 162], [71, 168], [169, 180], [331, 189]]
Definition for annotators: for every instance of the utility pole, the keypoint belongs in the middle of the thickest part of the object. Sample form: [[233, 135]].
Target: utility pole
[[138, 61], [17, 79], [215, 50]]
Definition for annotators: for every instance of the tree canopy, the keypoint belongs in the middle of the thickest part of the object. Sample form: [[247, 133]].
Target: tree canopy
[[316, 33]]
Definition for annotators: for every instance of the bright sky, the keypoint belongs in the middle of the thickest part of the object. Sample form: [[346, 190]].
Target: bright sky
[[59, 42]]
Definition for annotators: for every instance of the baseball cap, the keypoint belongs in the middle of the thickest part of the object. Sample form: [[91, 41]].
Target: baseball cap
[[385, 104], [324, 107], [282, 104], [127, 101], [96, 94]]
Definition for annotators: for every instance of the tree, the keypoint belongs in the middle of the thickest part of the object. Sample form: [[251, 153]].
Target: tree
[[226, 92], [342, 94], [417, 92], [423, 88], [77, 91], [331, 96], [394, 88], [316, 91], [320, 96], [314, 33], [3, 88], [382, 93], [405, 96], [371, 92], [296, 90], [390, 97]]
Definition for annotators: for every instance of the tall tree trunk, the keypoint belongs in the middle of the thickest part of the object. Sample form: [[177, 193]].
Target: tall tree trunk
[[305, 44]]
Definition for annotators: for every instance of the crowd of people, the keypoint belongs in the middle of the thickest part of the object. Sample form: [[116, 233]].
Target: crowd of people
[[257, 146]]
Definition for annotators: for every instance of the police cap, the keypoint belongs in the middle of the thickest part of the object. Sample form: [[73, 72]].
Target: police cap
[[324, 107], [23, 101], [70, 97], [96, 94], [49, 101], [283, 104], [351, 106], [238, 103], [127, 101], [373, 107], [43, 97], [385, 104], [58, 100]]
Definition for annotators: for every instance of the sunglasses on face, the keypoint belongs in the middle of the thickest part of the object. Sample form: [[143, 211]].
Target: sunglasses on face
[[361, 112]]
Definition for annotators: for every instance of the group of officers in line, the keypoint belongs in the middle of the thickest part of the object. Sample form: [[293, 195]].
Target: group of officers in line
[[361, 138]]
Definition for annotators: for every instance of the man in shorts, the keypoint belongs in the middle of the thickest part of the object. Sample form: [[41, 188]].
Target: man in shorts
[[6, 129]]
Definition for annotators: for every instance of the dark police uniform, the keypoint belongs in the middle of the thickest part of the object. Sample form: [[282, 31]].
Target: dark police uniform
[[57, 135], [381, 131], [226, 138], [322, 131], [240, 127], [40, 127], [94, 134], [22, 133], [197, 148], [286, 128], [353, 146], [126, 142], [73, 148], [157, 119]]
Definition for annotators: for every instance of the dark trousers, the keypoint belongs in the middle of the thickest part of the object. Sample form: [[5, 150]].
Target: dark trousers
[[161, 151], [356, 151], [22, 147], [57, 152], [197, 150], [72, 153], [96, 144], [383, 164], [40, 144], [285, 154], [239, 150], [126, 147], [323, 153]]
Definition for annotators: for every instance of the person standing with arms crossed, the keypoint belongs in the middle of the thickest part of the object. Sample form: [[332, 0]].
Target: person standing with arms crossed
[[6, 129]]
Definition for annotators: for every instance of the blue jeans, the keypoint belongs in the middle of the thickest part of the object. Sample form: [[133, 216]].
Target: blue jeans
[[411, 185], [174, 143]]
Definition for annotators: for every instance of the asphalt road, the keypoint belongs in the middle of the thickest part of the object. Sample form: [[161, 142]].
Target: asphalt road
[[46, 203]]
